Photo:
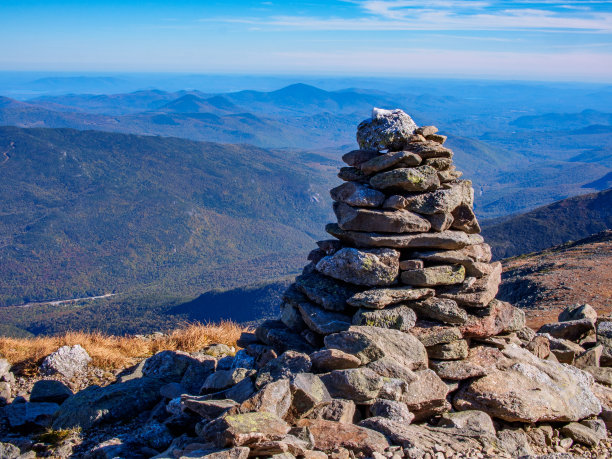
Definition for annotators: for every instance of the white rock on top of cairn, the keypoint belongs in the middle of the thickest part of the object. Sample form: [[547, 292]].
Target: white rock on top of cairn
[[408, 287]]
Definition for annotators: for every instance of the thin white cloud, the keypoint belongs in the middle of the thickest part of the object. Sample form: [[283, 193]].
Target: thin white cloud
[[438, 20]]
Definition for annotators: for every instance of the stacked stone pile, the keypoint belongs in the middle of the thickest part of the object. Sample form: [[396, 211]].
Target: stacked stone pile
[[407, 258]]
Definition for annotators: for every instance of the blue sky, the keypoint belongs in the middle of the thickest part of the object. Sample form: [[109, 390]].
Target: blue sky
[[550, 39]]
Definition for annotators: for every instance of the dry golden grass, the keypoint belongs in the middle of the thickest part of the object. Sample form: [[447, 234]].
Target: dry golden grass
[[116, 352]]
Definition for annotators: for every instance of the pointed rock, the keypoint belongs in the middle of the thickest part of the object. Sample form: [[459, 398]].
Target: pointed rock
[[386, 130]]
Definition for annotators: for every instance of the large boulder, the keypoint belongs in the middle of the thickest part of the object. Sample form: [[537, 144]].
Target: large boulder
[[362, 267], [563, 392], [275, 397], [384, 221], [68, 361], [96, 405], [386, 130], [373, 343]]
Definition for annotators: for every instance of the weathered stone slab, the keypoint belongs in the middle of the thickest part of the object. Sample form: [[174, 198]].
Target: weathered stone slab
[[362, 267], [382, 297], [245, 429], [490, 321], [443, 200], [384, 221], [455, 350], [571, 330], [429, 149], [274, 333], [432, 333], [422, 178], [352, 174], [425, 396], [333, 359], [444, 240]]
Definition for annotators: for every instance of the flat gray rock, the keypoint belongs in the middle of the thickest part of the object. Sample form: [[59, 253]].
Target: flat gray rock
[[356, 384], [384, 221], [475, 292], [445, 240], [396, 159], [356, 157], [422, 178], [435, 202], [382, 297], [563, 392]]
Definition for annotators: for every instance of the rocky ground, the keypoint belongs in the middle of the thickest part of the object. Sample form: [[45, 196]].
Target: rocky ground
[[544, 283]]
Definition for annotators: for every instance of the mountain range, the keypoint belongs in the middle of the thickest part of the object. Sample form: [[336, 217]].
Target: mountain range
[[516, 161]]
